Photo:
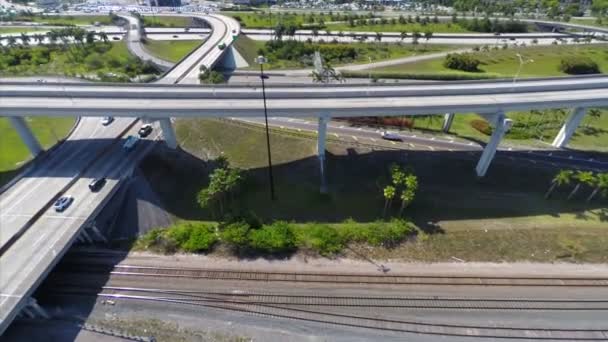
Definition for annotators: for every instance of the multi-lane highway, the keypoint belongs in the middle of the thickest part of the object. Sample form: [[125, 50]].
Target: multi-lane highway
[[336, 100], [33, 235]]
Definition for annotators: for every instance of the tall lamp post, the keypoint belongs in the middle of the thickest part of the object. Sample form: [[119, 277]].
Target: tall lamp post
[[261, 60], [521, 64]]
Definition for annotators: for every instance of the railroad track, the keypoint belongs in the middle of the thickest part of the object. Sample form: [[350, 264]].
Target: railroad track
[[336, 278], [331, 310]]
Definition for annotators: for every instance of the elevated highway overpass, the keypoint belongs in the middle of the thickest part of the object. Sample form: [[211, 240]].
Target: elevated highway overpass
[[33, 235]]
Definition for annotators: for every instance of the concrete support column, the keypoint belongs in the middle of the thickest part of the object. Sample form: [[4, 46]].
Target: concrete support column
[[168, 132], [33, 307], [501, 126], [97, 234], [26, 134], [567, 130], [85, 236], [322, 136], [448, 118]]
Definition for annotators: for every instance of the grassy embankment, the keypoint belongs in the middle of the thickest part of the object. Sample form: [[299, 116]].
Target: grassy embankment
[[67, 20], [257, 20], [167, 21], [500, 218], [172, 50], [249, 48], [409, 27], [14, 153], [541, 61], [5, 30]]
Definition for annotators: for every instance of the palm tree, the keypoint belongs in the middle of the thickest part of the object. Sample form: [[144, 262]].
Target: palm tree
[[25, 39], [409, 193], [90, 37], [403, 35], [601, 184], [103, 36], [415, 37], [563, 177], [428, 35], [11, 41], [39, 38], [389, 194], [378, 37], [52, 37], [583, 177], [78, 35]]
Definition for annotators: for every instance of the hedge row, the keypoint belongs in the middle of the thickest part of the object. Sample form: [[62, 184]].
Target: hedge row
[[416, 76], [278, 238], [578, 66]]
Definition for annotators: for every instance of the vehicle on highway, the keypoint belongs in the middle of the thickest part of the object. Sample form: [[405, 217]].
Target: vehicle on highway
[[221, 46], [175, 36], [97, 183], [130, 143], [145, 130], [63, 203], [106, 120], [386, 135], [115, 38]]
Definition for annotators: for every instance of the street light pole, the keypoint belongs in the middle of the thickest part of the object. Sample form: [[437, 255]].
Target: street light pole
[[261, 60]]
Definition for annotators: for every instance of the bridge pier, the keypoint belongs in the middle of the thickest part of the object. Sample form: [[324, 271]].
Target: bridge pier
[[26, 134], [501, 126], [569, 127], [33, 310], [448, 119], [168, 132], [322, 136]]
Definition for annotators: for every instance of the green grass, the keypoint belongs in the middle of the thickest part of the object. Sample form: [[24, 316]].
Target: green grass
[[70, 61], [506, 209], [592, 134], [4, 30], [13, 152], [603, 23], [436, 28], [172, 51], [68, 20], [376, 51], [262, 20], [505, 63], [166, 21]]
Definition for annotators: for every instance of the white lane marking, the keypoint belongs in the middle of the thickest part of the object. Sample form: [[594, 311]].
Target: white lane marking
[[431, 148], [374, 140], [291, 120], [337, 136], [413, 136], [450, 150], [510, 149], [470, 144], [358, 129], [341, 127], [307, 122], [299, 130], [354, 137], [532, 161], [433, 138], [392, 142], [412, 145]]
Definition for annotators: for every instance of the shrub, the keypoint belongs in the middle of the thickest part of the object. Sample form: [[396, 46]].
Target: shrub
[[578, 66], [236, 234], [482, 126], [193, 237], [379, 233], [461, 61], [323, 239], [275, 238]]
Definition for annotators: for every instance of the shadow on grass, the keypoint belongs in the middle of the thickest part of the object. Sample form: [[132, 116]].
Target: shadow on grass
[[449, 188]]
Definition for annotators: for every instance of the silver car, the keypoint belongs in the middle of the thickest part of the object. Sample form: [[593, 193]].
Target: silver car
[[63, 203]]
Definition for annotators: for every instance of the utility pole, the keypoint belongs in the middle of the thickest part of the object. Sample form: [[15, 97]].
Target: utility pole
[[261, 60]]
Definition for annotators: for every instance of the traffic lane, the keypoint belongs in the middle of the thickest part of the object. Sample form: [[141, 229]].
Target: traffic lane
[[31, 195], [433, 144], [52, 232]]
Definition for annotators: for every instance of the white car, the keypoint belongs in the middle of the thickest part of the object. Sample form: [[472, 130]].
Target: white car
[[386, 135], [63, 203], [107, 120]]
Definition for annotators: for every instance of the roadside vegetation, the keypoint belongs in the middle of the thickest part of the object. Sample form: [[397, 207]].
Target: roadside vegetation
[[285, 52], [86, 57], [171, 50], [14, 153], [167, 21], [4, 30], [504, 217], [496, 61], [56, 20]]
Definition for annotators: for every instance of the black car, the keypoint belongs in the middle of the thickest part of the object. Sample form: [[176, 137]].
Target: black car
[[144, 131], [97, 184]]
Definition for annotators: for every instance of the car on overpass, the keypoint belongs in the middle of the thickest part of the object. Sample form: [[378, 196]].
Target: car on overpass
[[386, 135], [145, 130], [130, 143], [62, 203], [97, 183]]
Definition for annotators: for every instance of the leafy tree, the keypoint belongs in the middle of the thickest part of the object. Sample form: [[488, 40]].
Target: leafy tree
[[103, 36], [601, 185], [275, 238], [223, 183], [563, 177], [428, 35], [403, 35], [409, 193], [25, 39]]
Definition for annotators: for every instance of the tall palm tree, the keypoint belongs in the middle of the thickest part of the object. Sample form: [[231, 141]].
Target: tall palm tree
[[389, 194], [39, 38], [428, 35], [52, 37], [90, 37], [409, 193], [103, 36], [11, 41], [403, 35], [601, 184], [25, 39], [583, 177], [563, 177]]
